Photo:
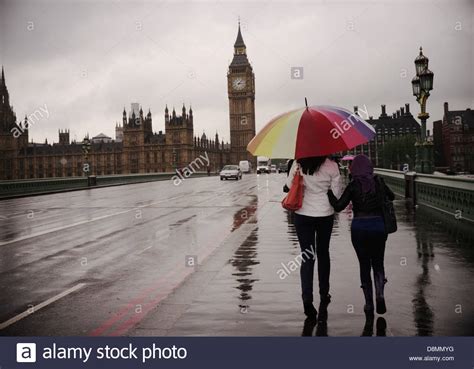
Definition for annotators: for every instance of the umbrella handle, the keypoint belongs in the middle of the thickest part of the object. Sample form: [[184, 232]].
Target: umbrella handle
[[306, 102]]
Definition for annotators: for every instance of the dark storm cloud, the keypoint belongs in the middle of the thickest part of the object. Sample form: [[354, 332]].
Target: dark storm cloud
[[86, 60]]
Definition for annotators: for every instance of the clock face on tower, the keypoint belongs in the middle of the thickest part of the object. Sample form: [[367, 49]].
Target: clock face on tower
[[238, 83]]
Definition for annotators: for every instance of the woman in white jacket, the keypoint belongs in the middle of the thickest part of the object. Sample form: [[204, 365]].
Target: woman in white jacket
[[313, 224]]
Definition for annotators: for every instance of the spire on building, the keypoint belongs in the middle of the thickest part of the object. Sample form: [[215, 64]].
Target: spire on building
[[8, 118], [239, 42], [240, 51], [3, 89]]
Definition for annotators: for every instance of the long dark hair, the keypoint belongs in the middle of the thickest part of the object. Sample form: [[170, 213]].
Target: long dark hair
[[312, 164]]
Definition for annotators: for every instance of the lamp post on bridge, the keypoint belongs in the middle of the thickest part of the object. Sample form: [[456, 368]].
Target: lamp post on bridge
[[422, 84]]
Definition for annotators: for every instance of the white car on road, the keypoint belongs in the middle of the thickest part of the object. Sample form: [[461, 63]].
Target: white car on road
[[231, 171]]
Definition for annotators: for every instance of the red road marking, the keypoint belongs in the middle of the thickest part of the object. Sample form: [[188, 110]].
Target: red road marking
[[137, 318], [134, 320], [125, 309]]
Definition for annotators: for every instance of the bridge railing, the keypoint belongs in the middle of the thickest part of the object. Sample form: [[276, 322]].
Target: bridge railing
[[450, 195], [28, 186], [23, 187], [454, 196], [394, 179]]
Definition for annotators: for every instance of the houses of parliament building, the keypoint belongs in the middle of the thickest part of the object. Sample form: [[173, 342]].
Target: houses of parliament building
[[136, 147]]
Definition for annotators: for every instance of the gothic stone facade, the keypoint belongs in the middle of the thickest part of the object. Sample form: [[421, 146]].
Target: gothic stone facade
[[140, 150], [137, 149]]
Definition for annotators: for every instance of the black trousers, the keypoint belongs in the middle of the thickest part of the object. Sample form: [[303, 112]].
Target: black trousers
[[368, 238], [314, 232]]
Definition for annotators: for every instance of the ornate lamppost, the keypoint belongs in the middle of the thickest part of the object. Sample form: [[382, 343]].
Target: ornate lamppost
[[422, 84]]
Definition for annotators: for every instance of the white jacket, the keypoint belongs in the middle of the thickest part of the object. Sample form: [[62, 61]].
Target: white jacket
[[316, 186]]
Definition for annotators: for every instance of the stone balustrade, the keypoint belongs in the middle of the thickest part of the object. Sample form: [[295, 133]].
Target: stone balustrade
[[451, 195], [18, 188]]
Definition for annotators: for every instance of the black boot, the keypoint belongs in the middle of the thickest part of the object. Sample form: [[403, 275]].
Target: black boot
[[308, 327], [323, 312], [325, 299], [380, 281], [309, 310], [369, 299], [381, 327], [369, 324]]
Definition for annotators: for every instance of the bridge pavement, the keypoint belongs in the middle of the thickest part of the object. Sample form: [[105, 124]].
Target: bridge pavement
[[205, 258]]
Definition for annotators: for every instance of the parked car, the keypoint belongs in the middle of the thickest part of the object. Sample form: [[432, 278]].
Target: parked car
[[231, 171], [273, 168]]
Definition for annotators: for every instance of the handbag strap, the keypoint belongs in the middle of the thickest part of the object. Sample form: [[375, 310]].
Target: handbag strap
[[298, 171], [382, 195], [298, 168]]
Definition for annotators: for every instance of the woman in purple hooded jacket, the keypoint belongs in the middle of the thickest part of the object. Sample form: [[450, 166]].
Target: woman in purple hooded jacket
[[368, 229]]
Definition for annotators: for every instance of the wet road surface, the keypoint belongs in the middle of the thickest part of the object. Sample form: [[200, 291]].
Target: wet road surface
[[206, 258]]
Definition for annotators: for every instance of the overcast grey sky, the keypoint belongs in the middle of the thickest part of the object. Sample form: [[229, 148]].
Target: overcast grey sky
[[86, 60]]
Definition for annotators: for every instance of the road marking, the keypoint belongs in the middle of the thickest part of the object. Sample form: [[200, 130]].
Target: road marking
[[46, 231], [40, 306], [64, 227], [147, 248]]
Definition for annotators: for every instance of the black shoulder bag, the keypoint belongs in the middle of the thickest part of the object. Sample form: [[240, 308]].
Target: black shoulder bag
[[388, 210]]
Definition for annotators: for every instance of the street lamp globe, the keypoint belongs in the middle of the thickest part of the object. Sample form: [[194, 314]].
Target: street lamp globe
[[421, 62], [426, 80], [415, 83]]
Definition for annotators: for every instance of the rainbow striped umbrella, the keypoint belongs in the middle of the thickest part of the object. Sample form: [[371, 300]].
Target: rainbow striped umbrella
[[311, 131]]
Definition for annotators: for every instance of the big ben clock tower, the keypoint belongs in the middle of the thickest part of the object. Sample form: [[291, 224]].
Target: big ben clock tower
[[241, 89]]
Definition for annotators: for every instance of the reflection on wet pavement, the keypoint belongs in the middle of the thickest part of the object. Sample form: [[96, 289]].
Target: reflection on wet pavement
[[245, 258], [423, 314], [245, 214]]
